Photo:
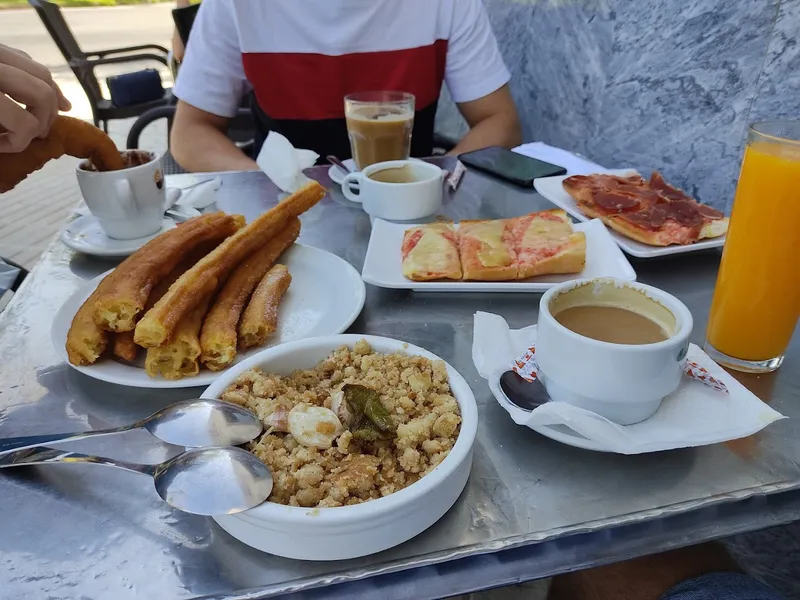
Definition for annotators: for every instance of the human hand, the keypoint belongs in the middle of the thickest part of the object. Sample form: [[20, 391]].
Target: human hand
[[25, 82]]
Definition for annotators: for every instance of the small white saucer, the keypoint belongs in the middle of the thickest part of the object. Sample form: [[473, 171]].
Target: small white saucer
[[85, 235]]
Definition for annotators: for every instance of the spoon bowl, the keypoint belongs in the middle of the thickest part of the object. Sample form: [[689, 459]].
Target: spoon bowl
[[203, 422], [213, 481]]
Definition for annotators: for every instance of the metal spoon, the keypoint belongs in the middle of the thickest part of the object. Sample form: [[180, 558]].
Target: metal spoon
[[189, 423], [521, 393], [336, 162], [205, 481]]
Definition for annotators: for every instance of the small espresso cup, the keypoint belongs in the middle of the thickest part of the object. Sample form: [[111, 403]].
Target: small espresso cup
[[624, 383], [397, 190], [128, 203]]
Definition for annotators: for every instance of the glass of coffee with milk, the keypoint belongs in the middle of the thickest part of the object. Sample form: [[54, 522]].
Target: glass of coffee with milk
[[379, 125]]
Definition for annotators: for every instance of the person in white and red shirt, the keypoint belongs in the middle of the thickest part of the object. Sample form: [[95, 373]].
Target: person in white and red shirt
[[301, 57]]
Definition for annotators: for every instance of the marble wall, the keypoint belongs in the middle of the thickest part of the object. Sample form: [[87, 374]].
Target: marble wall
[[652, 84]]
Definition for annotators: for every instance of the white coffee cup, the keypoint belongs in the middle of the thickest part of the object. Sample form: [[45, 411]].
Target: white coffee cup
[[621, 382], [421, 197], [128, 203]]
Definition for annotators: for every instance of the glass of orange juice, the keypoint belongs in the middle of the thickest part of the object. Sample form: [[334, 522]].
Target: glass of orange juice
[[757, 297]]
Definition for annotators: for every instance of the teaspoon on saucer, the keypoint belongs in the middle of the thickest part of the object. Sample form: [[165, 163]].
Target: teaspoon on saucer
[[337, 163], [526, 395], [189, 423], [204, 481]]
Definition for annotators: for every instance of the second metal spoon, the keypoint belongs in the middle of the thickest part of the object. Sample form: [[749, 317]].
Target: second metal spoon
[[189, 423], [204, 481]]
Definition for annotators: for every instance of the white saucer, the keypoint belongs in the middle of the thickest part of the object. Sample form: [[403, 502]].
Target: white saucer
[[85, 235], [337, 175]]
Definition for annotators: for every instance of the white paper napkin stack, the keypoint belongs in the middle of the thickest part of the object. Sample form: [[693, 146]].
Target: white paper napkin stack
[[574, 164], [283, 163], [694, 415]]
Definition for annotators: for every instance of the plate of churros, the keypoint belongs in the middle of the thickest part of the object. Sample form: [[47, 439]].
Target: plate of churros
[[203, 296]]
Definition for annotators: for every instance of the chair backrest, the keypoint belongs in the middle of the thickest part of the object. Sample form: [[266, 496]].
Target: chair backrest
[[184, 19], [64, 39]]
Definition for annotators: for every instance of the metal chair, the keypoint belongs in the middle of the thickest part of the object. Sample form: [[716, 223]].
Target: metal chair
[[83, 65], [23, 273]]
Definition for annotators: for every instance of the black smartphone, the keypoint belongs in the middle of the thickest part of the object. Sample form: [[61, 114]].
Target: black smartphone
[[505, 164]]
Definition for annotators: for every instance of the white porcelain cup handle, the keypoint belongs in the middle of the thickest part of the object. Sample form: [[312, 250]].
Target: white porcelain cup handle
[[350, 179], [172, 196], [126, 202]]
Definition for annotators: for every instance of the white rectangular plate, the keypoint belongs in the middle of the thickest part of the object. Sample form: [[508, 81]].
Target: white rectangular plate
[[383, 264], [552, 189]]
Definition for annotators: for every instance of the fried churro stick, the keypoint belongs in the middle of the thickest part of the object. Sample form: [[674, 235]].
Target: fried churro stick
[[67, 136], [124, 346], [204, 278], [178, 358], [135, 279], [218, 336], [260, 318], [86, 341]]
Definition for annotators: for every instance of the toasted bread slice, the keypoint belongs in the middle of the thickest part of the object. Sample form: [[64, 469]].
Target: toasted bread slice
[[430, 252], [487, 251]]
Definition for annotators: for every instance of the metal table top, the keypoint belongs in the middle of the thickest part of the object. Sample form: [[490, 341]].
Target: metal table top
[[72, 531]]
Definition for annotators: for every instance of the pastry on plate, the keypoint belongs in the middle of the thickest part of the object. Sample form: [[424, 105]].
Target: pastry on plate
[[487, 251], [430, 252], [651, 212], [545, 243], [494, 250]]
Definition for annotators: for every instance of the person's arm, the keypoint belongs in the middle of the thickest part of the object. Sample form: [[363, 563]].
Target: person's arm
[[478, 79], [177, 43], [493, 121], [198, 142], [210, 85]]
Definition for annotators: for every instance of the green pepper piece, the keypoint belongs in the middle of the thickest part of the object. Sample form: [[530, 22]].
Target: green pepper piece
[[376, 412]]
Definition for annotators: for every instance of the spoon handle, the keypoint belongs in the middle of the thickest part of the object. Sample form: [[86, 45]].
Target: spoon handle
[[39, 455], [20, 443]]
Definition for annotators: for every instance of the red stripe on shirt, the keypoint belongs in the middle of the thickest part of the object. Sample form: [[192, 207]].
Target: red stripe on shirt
[[313, 86]]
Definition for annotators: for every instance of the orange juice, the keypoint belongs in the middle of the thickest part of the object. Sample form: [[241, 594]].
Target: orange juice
[[757, 297]]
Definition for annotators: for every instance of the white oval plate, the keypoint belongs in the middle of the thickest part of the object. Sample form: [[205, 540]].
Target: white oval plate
[[325, 297], [85, 235], [383, 265]]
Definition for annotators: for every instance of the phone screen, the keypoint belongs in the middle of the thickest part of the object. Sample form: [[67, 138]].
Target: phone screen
[[510, 165]]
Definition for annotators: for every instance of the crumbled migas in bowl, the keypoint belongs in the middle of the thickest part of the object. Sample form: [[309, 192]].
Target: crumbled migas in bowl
[[332, 466]]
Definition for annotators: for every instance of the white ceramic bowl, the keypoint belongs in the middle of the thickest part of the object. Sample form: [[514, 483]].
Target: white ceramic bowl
[[352, 531]]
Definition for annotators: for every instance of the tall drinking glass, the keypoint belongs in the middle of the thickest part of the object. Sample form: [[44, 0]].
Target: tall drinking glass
[[379, 125], [757, 297]]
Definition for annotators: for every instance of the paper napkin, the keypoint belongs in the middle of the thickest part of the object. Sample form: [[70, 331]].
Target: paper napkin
[[696, 414], [283, 163], [574, 164]]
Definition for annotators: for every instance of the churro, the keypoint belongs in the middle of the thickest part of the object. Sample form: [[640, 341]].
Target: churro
[[86, 341], [218, 336], [204, 278], [260, 318], [124, 346], [178, 358], [117, 309], [67, 136]]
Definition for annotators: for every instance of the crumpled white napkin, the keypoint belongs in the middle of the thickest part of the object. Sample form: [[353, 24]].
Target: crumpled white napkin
[[693, 415], [283, 163], [574, 164]]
